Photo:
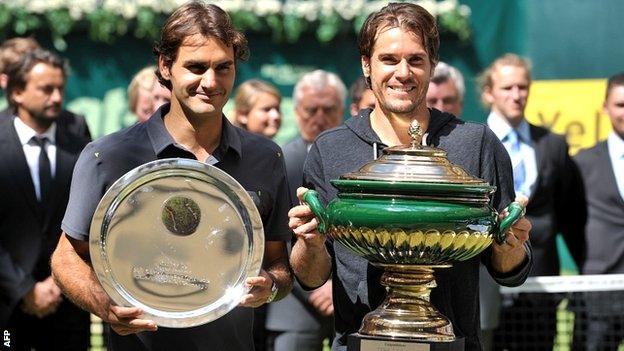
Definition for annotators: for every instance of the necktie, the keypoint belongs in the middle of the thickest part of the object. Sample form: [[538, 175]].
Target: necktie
[[45, 172], [517, 161]]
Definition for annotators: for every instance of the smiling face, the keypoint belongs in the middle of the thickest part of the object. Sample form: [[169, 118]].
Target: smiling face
[[399, 69], [202, 76], [265, 116]]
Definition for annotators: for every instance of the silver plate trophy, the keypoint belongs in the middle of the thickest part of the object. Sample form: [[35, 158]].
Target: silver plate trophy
[[177, 238]]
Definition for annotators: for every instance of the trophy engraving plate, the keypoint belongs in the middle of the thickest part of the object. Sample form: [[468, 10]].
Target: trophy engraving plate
[[360, 342], [388, 345], [177, 238]]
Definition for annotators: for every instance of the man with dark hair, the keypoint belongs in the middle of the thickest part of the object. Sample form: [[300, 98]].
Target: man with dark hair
[[37, 155], [361, 96], [197, 57], [11, 51], [544, 173], [602, 168], [399, 50]]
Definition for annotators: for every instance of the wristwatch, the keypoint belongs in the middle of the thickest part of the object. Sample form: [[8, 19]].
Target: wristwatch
[[274, 290]]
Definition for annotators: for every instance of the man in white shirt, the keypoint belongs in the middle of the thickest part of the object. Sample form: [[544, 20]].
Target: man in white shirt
[[602, 167], [37, 155], [544, 173]]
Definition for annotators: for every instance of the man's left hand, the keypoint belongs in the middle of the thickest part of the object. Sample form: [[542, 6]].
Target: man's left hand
[[510, 254], [260, 290]]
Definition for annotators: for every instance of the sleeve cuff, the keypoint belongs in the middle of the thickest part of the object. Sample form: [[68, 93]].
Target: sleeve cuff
[[517, 276]]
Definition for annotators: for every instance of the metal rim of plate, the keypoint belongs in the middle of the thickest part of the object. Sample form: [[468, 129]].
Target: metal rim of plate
[[150, 172]]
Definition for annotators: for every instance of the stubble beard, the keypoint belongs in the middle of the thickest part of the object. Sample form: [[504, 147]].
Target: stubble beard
[[44, 120]]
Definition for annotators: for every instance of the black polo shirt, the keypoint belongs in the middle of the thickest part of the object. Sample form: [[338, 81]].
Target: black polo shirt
[[254, 161]]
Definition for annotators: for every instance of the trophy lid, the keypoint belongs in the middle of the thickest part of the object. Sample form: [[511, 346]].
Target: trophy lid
[[414, 171], [177, 238], [414, 163]]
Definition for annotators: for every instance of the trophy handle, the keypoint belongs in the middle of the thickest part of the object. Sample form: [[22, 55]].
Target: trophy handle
[[515, 210], [310, 198]]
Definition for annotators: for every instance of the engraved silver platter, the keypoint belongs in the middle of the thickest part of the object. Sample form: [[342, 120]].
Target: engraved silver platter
[[177, 238]]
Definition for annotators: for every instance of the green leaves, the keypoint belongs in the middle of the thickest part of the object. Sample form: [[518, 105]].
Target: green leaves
[[286, 21], [148, 24], [105, 25]]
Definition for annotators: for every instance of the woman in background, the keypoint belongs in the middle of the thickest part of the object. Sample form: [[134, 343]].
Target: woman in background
[[145, 94], [257, 107]]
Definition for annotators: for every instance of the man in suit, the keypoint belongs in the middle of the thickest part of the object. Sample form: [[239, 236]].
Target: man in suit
[[544, 173], [11, 51], [602, 168], [37, 155], [302, 319]]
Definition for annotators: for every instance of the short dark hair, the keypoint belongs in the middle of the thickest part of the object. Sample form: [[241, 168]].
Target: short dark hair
[[411, 17], [614, 81], [197, 17], [17, 72], [357, 89]]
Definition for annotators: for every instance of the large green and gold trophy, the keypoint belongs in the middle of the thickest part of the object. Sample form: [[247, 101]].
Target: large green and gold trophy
[[410, 212]]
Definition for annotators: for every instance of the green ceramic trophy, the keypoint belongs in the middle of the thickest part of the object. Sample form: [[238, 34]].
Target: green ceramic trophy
[[409, 212]]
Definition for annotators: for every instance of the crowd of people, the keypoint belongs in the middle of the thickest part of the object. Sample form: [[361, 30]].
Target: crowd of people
[[310, 289]]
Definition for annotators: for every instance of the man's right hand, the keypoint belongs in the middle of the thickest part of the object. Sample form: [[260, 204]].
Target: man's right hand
[[309, 257], [303, 223], [43, 299], [125, 321]]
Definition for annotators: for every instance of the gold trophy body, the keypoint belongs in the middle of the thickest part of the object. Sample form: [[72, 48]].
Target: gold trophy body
[[410, 212]]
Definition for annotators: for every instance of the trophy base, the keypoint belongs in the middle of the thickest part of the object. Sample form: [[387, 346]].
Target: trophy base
[[359, 342], [406, 312]]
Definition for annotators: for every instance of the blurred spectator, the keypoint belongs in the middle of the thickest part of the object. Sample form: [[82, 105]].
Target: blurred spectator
[[602, 167], [303, 317], [544, 172], [361, 96], [38, 155], [446, 90], [257, 107], [11, 51], [145, 94]]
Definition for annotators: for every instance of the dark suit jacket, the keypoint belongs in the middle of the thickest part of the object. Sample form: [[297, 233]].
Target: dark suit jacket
[[73, 123], [605, 224], [557, 204], [28, 235], [294, 313]]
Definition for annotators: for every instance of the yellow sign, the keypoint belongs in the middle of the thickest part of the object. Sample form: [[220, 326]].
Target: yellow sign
[[572, 108]]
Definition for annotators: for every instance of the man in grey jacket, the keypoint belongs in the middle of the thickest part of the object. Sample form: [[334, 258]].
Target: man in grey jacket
[[399, 50]]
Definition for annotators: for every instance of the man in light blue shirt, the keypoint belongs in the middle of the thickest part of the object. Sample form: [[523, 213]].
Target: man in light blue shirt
[[544, 172], [602, 167]]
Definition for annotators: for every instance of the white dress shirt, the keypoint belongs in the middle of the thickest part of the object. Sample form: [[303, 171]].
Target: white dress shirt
[[31, 150], [501, 128], [615, 145]]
